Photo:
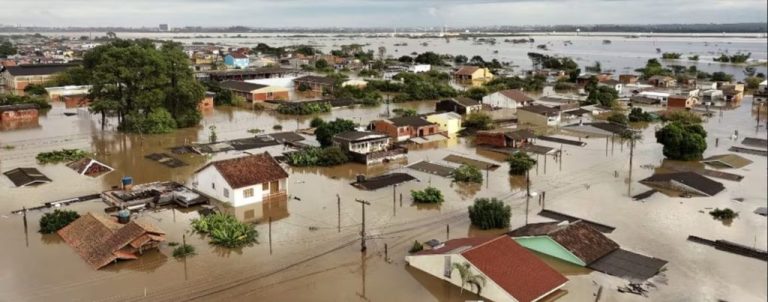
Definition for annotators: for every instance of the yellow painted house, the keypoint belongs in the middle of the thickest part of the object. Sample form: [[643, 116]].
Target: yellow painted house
[[472, 74], [448, 122]]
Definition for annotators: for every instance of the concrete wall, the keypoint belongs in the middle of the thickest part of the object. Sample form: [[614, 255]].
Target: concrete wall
[[499, 100]]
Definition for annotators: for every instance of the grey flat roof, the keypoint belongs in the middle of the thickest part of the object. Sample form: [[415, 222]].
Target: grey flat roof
[[625, 264]]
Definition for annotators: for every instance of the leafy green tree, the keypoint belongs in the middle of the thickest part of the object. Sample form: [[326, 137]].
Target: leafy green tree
[[721, 76], [652, 68], [184, 250], [134, 79], [753, 83], [63, 155], [430, 58], [618, 118], [476, 93], [671, 55], [603, 95], [405, 112], [684, 117], [71, 76], [723, 214], [467, 277], [157, 122], [326, 131], [52, 222], [682, 141], [225, 230], [7, 49], [478, 121], [405, 59], [321, 64], [519, 163], [467, 173], [324, 157], [489, 214], [638, 115], [35, 89], [304, 108], [460, 59], [693, 58], [416, 247], [428, 195]]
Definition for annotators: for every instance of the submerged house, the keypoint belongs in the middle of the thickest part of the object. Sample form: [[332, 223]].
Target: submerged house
[[512, 273], [243, 180], [580, 244], [253, 92], [517, 138], [89, 167], [404, 128], [685, 183], [460, 105], [448, 122], [25, 177], [470, 73], [101, 240], [538, 116], [368, 147], [510, 99], [18, 112]]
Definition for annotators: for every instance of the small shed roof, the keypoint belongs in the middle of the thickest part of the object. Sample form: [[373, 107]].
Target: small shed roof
[[467, 70], [579, 238], [22, 177], [690, 179], [727, 161], [517, 95]]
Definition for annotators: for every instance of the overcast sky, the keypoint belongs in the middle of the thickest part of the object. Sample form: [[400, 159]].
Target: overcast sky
[[369, 13]]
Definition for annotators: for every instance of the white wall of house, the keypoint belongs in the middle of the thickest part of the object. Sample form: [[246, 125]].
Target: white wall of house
[[210, 182], [435, 265], [499, 100], [418, 68], [369, 146]]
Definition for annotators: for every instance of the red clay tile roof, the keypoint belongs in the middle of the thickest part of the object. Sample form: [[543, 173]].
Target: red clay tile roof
[[517, 95], [515, 269], [99, 240], [249, 170], [467, 70]]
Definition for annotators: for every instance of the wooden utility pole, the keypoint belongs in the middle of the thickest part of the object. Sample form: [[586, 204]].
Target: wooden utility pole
[[394, 200], [561, 157], [447, 232], [338, 211], [401, 199], [545, 164], [527, 194], [631, 156], [487, 176], [270, 235], [363, 203]]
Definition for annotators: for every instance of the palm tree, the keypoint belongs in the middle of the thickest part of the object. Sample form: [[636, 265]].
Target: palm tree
[[467, 277]]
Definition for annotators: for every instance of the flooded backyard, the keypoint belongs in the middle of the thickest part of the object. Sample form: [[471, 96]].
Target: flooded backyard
[[315, 247]]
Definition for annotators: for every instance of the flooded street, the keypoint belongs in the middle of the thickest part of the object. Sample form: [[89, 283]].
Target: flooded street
[[315, 236]]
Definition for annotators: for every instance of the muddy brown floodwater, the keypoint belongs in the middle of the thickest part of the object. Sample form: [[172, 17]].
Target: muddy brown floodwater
[[315, 244]]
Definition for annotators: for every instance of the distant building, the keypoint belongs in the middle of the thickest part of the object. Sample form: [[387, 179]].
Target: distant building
[[404, 128], [470, 73], [628, 78], [613, 84], [448, 122], [314, 84], [368, 147], [19, 112], [662, 97], [505, 139], [419, 68], [237, 60], [164, 27], [243, 180], [510, 99], [678, 102], [732, 94], [538, 116], [256, 92], [18, 77], [662, 81], [461, 105]]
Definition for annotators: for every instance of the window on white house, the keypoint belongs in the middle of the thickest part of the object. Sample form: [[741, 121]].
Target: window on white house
[[213, 185], [226, 192], [248, 193], [447, 267], [265, 186]]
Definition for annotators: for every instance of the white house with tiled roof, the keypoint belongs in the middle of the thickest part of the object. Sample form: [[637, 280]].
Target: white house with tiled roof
[[243, 180]]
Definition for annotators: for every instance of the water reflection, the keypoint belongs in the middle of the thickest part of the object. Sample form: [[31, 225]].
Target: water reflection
[[275, 208]]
